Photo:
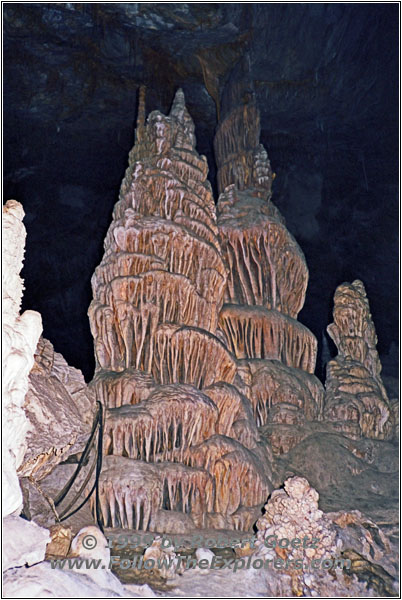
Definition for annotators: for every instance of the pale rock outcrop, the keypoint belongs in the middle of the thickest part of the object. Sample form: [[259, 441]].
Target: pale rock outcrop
[[292, 514], [24, 542], [165, 559], [44, 581], [355, 395], [60, 410], [20, 336]]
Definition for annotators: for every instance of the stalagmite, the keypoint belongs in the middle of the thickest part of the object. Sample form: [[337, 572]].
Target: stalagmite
[[355, 398], [240, 479], [266, 287], [235, 413], [161, 427], [157, 295], [20, 336], [241, 159], [116, 389], [266, 265], [191, 355], [292, 513]]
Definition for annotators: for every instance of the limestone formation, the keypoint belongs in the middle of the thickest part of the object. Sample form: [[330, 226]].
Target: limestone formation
[[43, 580], [241, 159], [165, 559], [266, 266], [355, 395], [148, 278], [305, 543], [60, 410], [20, 336], [274, 387], [293, 513], [165, 372], [267, 281]]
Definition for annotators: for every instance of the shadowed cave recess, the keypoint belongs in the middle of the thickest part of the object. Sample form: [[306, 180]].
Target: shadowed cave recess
[[228, 326]]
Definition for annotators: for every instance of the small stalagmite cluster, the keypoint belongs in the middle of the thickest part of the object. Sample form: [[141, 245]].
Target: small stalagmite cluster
[[306, 541], [179, 435], [266, 286], [356, 400]]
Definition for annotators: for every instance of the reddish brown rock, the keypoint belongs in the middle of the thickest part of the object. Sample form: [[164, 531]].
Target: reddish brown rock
[[164, 218], [191, 355], [116, 389], [355, 395], [266, 266], [266, 286], [240, 157], [256, 332], [162, 427], [240, 477], [273, 385], [155, 314]]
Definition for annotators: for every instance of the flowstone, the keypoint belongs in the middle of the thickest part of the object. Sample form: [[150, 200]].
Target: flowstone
[[165, 371], [356, 398], [267, 282]]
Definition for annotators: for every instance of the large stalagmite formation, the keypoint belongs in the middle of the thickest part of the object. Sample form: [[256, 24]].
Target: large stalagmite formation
[[20, 336], [355, 395], [165, 371], [267, 281]]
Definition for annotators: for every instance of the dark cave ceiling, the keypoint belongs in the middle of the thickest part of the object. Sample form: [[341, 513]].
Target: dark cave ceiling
[[326, 82]]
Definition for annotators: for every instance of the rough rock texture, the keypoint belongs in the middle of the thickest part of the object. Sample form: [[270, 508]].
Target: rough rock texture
[[256, 332], [292, 513], [272, 385], [355, 395], [60, 409], [266, 265], [147, 278], [267, 279], [20, 336], [241, 159], [165, 371]]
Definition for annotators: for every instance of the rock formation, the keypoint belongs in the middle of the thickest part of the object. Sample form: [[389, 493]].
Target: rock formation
[[356, 399], [304, 543], [20, 336], [179, 436], [267, 281], [206, 379], [59, 408]]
